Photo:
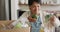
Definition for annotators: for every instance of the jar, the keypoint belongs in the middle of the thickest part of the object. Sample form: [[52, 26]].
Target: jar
[[26, 1], [22, 1]]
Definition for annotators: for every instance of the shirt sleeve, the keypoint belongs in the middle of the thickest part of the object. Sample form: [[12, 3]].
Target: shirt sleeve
[[57, 22], [21, 19], [42, 18]]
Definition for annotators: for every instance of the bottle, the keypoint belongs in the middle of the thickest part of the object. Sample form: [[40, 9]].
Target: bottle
[[42, 29]]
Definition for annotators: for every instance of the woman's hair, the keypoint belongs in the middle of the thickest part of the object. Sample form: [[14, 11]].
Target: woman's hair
[[30, 2]]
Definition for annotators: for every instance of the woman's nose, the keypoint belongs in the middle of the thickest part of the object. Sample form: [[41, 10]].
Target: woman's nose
[[36, 8]]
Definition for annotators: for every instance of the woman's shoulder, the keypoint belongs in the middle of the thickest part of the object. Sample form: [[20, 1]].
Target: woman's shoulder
[[26, 14]]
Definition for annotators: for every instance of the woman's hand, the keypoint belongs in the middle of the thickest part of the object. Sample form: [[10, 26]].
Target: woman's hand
[[31, 19]]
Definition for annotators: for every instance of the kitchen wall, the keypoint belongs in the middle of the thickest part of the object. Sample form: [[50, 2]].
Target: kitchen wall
[[14, 8]]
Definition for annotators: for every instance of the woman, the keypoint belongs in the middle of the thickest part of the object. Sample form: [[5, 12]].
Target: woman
[[36, 20]]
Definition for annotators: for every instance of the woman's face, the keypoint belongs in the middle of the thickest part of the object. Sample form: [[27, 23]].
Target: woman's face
[[34, 8]]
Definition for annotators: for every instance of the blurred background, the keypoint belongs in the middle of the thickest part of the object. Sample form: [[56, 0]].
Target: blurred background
[[13, 9]]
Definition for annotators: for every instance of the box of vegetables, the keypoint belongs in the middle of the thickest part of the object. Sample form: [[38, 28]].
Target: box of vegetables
[[3, 27]]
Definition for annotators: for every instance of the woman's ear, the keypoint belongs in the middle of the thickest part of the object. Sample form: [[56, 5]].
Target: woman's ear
[[30, 8]]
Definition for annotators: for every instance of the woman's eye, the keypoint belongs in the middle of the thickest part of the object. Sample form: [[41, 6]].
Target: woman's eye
[[38, 6], [33, 6]]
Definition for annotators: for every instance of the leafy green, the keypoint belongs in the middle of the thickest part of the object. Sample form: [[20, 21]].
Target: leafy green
[[34, 16]]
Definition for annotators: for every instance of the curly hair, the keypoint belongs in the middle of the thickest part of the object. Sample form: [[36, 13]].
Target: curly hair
[[30, 2]]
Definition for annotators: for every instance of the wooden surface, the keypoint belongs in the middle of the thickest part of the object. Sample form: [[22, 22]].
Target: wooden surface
[[13, 30], [17, 30], [4, 23]]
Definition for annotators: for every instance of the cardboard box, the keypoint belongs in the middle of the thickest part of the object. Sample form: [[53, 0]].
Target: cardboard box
[[27, 29]]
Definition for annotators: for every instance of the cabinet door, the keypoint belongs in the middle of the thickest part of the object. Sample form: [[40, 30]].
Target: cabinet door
[[2, 10]]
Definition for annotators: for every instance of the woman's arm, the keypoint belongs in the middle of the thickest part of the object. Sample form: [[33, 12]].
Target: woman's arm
[[16, 21]]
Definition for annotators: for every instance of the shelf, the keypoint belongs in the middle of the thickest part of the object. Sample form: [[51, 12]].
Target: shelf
[[50, 5], [42, 4], [23, 4]]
